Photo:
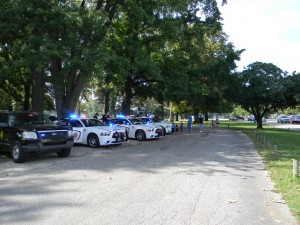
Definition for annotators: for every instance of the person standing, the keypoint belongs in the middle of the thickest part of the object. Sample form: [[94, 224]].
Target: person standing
[[96, 116], [201, 123], [190, 121], [105, 117], [217, 121]]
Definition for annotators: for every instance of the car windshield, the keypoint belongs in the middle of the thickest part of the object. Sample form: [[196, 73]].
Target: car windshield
[[135, 121], [146, 120], [92, 122], [31, 118]]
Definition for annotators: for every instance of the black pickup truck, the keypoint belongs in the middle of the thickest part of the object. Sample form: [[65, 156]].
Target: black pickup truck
[[30, 132]]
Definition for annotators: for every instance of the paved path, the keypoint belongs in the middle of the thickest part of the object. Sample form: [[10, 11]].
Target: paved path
[[208, 178]]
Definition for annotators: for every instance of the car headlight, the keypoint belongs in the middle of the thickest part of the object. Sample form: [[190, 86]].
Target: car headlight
[[105, 133], [70, 133], [29, 135], [150, 129]]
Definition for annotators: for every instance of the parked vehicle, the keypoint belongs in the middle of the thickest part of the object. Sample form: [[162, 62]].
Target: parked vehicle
[[94, 133], [136, 128], [29, 132], [233, 118], [283, 119], [295, 119], [166, 126], [239, 117], [251, 118]]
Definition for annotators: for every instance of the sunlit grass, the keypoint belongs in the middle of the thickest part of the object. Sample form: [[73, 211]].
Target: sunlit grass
[[279, 163]]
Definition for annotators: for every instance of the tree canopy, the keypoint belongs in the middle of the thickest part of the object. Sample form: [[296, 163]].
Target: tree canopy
[[262, 88], [53, 51]]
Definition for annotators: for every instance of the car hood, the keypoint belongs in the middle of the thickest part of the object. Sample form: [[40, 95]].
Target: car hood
[[43, 127], [111, 129]]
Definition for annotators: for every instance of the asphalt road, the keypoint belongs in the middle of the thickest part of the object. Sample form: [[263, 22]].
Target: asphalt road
[[273, 122], [208, 178]]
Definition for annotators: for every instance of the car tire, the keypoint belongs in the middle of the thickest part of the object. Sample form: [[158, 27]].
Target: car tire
[[140, 135], [17, 153], [64, 152], [164, 131], [93, 141]]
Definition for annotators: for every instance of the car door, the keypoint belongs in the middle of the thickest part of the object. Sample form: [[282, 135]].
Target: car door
[[78, 130], [6, 132], [126, 124]]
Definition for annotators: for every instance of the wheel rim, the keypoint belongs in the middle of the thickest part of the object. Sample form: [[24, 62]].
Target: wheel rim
[[93, 141], [140, 135], [16, 152]]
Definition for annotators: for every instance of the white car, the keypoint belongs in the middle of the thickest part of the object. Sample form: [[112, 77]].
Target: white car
[[166, 126], [136, 128], [94, 133]]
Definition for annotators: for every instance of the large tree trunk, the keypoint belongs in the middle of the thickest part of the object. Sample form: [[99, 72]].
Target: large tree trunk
[[259, 124], [27, 88], [66, 90], [127, 95], [38, 92], [106, 101], [171, 113], [70, 97]]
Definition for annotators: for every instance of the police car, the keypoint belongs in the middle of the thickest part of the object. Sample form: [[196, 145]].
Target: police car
[[136, 128], [92, 132], [29, 132], [166, 126]]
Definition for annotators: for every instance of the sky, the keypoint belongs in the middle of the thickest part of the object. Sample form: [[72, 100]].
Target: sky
[[269, 30]]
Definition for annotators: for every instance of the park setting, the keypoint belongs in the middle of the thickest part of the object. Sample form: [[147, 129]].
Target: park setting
[[167, 93]]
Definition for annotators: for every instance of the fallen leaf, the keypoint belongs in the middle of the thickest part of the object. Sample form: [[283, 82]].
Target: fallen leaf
[[232, 201], [279, 201]]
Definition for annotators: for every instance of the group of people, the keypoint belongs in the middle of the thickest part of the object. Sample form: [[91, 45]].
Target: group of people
[[214, 123], [190, 123], [105, 117]]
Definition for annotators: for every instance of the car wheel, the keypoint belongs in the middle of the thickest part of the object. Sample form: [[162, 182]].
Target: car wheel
[[17, 153], [140, 135], [93, 141], [64, 152], [164, 131]]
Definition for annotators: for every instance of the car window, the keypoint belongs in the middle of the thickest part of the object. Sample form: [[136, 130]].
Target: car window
[[31, 118], [111, 122], [136, 121], [75, 123], [123, 121], [146, 120], [91, 122]]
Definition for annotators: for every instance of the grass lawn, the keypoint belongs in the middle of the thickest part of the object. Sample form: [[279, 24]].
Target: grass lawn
[[279, 162]]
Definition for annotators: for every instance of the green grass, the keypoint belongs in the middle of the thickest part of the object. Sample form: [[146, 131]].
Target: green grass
[[279, 163]]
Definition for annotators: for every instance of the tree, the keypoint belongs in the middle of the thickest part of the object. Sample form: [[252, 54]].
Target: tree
[[64, 43], [260, 89]]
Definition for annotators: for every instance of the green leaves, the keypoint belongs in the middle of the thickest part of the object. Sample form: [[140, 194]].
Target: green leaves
[[264, 88]]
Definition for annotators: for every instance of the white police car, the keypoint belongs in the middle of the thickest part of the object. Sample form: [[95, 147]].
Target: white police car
[[94, 133], [136, 128], [166, 126]]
